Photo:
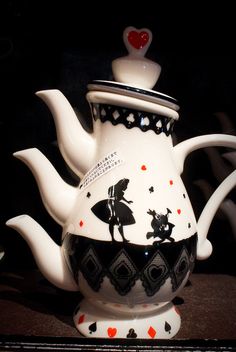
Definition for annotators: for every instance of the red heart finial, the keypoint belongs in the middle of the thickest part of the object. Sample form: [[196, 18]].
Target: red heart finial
[[134, 68], [138, 39]]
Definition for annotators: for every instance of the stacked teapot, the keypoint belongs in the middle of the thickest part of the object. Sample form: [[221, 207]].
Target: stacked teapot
[[130, 238]]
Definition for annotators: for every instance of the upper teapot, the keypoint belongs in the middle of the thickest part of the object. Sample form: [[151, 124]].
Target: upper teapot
[[130, 237]]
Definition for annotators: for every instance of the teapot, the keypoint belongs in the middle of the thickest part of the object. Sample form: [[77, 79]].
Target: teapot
[[130, 238]]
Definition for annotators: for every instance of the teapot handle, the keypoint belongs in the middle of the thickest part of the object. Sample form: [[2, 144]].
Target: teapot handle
[[184, 148], [204, 246], [181, 150]]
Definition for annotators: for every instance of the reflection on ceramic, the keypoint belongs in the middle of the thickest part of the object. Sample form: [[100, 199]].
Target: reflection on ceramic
[[219, 166], [130, 237], [225, 122], [228, 207], [231, 157], [2, 253]]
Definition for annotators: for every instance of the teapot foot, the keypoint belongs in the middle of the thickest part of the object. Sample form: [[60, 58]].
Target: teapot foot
[[93, 321]]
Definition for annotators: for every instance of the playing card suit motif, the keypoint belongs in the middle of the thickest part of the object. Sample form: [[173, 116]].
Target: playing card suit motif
[[111, 332], [167, 327], [81, 319], [152, 332], [92, 327], [132, 334]]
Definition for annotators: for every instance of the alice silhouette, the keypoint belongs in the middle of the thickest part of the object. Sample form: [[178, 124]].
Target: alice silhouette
[[113, 210]]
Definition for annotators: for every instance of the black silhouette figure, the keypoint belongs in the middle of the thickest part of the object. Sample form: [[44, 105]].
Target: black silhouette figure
[[161, 226], [113, 211]]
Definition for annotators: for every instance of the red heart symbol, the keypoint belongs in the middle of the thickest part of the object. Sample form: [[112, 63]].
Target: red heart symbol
[[143, 167], [138, 39], [111, 332]]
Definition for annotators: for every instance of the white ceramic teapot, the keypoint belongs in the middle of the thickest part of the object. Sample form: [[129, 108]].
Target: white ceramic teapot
[[130, 238]]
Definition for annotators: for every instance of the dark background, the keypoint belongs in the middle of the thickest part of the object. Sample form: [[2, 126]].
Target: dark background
[[65, 45]]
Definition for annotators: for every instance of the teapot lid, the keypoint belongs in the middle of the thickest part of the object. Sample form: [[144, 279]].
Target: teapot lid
[[135, 75], [136, 92]]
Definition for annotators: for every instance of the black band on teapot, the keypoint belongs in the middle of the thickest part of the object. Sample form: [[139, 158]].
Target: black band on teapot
[[125, 263], [130, 118]]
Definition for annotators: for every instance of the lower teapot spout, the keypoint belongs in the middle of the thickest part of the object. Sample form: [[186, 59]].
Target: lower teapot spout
[[48, 255]]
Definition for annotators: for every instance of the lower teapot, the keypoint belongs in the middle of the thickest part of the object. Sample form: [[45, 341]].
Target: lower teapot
[[130, 238], [133, 284]]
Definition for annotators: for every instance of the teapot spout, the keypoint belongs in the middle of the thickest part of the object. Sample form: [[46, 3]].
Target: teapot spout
[[76, 145], [58, 197], [48, 255], [204, 247]]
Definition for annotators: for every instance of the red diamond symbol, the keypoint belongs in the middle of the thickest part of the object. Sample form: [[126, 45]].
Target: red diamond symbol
[[81, 319], [152, 332]]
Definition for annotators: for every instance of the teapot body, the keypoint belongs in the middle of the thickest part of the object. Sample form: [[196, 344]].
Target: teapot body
[[131, 238]]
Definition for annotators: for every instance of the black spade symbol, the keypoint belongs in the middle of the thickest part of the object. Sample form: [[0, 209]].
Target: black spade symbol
[[167, 327], [88, 195], [132, 334], [122, 271], [93, 327]]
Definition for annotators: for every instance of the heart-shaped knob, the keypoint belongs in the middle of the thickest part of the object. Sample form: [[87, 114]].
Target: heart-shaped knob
[[137, 41], [135, 69]]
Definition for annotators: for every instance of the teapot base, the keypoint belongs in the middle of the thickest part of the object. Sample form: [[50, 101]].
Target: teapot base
[[93, 321]]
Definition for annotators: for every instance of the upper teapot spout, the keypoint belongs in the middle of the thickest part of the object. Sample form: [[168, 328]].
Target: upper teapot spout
[[76, 145]]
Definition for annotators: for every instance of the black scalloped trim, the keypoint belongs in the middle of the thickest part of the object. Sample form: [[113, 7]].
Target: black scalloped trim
[[130, 118]]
